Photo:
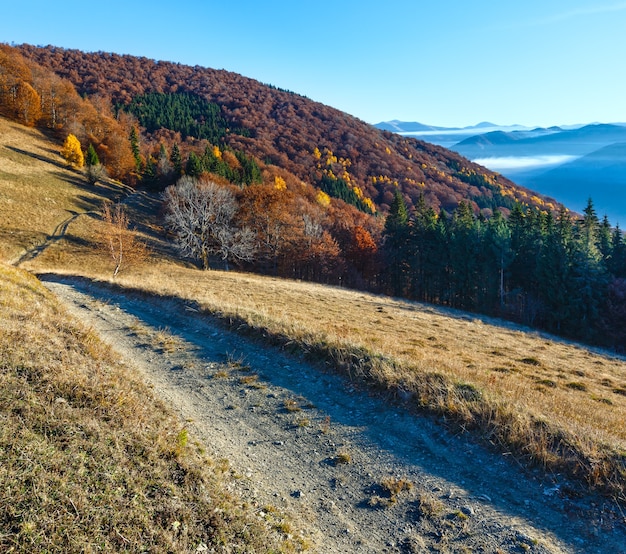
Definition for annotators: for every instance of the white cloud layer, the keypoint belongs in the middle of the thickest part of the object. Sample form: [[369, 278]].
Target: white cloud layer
[[523, 162]]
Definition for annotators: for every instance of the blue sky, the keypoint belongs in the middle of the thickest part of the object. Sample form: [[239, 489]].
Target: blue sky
[[449, 62]]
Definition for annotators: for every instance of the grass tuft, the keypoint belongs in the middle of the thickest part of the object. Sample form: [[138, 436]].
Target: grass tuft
[[342, 458]]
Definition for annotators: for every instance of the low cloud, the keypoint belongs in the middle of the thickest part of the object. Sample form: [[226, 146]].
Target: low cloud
[[523, 162]]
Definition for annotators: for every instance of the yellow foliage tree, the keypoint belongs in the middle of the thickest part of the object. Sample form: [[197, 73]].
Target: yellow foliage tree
[[279, 183], [72, 152], [322, 198]]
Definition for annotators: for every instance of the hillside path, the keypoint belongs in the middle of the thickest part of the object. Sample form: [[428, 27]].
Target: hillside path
[[59, 232], [284, 426]]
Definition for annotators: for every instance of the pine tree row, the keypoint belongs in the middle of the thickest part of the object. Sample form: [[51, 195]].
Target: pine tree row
[[558, 273]]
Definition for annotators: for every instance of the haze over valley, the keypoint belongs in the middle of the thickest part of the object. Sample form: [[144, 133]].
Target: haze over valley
[[569, 163]]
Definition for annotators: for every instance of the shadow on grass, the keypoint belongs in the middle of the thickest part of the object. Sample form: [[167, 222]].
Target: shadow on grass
[[417, 443]]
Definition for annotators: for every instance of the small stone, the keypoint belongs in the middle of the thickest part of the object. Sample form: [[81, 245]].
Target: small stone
[[522, 537], [468, 510], [297, 494]]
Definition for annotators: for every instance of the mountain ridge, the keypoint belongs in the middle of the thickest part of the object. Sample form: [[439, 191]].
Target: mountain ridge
[[578, 141]]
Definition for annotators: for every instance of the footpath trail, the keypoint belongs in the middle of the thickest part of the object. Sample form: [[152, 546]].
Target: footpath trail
[[311, 444]]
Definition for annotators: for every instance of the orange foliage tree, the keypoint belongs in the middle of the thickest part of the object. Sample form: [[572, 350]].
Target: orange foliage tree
[[268, 212]]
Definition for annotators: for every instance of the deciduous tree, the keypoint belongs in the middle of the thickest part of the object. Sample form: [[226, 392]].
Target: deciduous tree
[[118, 240], [72, 152], [201, 214]]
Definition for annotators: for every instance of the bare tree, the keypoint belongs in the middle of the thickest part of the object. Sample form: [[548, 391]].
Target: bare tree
[[95, 173], [201, 214], [118, 240]]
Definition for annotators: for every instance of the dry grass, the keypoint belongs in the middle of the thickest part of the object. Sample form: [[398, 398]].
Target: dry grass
[[342, 457], [393, 486], [38, 192], [547, 401], [389, 490], [90, 461]]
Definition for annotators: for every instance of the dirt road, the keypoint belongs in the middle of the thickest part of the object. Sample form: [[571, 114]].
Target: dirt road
[[362, 475]]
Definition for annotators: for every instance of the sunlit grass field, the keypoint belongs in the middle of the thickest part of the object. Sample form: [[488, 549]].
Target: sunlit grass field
[[547, 401], [90, 459], [38, 192]]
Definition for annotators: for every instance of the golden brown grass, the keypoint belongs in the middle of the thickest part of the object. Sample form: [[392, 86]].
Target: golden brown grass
[[548, 401], [90, 460], [552, 402], [390, 488], [38, 192]]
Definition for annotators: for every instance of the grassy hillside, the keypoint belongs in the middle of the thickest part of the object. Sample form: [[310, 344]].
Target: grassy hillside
[[38, 192], [89, 458], [546, 401]]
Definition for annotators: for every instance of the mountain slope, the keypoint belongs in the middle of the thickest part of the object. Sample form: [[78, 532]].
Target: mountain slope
[[286, 129], [460, 357], [396, 126], [601, 174], [571, 142]]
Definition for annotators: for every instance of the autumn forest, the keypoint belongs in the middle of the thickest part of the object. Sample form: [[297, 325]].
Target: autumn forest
[[269, 181]]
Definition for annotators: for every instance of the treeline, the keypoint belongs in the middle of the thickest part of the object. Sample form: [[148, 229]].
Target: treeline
[[556, 272], [279, 227]]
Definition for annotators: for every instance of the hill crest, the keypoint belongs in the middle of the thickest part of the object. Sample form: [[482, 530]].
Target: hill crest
[[287, 129]]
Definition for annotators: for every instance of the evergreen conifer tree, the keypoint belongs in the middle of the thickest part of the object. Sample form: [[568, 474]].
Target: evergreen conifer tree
[[194, 165], [134, 146], [94, 168], [177, 161], [92, 156], [396, 241]]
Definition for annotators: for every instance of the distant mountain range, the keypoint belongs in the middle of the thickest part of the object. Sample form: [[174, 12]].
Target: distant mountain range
[[442, 136], [396, 126], [569, 163]]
